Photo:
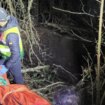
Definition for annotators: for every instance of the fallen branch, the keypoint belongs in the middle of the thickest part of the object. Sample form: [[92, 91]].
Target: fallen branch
[[63, 28], [35, 69], [49, 86]]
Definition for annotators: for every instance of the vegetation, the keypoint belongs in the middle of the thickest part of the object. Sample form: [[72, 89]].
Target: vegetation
[[80, 23]]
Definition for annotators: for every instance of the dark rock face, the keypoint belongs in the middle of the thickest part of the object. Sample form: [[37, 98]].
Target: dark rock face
[[62, 53]]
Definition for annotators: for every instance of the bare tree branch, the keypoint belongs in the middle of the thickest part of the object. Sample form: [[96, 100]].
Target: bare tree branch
[[75, 13]]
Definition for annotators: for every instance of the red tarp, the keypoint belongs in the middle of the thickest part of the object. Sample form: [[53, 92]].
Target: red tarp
[[16, 94]]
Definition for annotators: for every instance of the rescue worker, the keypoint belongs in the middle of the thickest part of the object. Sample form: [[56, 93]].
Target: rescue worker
[[11, 50]]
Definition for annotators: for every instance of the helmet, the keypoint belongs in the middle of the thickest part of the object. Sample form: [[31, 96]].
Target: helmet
[[3, 14], [67, 96]]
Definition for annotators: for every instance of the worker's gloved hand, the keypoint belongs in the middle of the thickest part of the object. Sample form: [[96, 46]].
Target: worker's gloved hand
[[3, 69]]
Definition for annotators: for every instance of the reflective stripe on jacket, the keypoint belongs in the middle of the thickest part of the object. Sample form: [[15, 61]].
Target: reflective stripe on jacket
[[16, 31], [5, 51]]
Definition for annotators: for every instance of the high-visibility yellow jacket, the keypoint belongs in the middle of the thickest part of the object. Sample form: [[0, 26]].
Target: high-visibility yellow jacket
[[10, 42], [4, 49]]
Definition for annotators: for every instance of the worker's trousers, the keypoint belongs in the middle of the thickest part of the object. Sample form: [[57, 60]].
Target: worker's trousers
[[15, 70]]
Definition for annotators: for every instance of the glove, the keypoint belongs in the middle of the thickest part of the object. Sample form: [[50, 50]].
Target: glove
[[3, 69]]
